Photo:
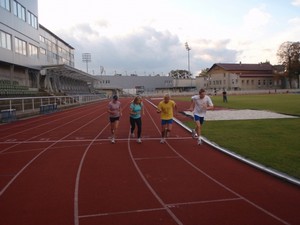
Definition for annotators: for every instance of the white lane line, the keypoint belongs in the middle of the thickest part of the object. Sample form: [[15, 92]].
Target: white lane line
[[149, 158], [204, 202], [76, 192], [32, 160], [44, 124], [122, 212], [221, 184], [228, 189], [150, 187], [47, 140], [62, 124], [157, 209]]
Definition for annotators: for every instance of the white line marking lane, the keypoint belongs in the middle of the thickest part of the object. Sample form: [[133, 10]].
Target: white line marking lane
[[173, 148]]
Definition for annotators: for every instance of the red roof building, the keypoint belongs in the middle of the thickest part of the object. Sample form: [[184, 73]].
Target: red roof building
[[238, 76]]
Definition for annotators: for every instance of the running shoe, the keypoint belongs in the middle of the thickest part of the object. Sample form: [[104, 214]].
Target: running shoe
[[199, 142], [194, 134], [139, 140], [162, 140], [113, 140]]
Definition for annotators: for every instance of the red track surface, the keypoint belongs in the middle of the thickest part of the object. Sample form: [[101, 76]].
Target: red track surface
[[61, 169]]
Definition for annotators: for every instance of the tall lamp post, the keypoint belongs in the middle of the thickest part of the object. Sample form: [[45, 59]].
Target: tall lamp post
[[86, 57], [188, 50]]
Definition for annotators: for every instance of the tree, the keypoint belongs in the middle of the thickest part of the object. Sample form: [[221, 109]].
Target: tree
[[203, 72], [289, 56]]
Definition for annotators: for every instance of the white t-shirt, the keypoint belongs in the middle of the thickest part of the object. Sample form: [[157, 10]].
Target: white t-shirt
[[201, 104]]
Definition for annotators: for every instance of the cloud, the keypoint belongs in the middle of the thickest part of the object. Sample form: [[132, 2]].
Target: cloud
[[256, 19], [295, 21], [144, 49], [296, 2], [208, 52]]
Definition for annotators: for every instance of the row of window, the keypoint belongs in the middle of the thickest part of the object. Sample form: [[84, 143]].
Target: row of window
[[244, 82], [20, 11], [20, 45], [104, 81], [55, 48], [32, 50]]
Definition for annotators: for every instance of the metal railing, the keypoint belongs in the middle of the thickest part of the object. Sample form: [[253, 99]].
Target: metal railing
[[33, 105]]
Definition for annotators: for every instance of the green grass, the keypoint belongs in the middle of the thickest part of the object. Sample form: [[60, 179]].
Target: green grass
[[272, 142]]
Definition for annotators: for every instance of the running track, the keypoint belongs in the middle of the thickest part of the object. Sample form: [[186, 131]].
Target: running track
[[61, 169]]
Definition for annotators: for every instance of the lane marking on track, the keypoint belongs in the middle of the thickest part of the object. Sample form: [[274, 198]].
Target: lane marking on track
[[77, 181], [204, 202], [53, 117], [62, 125], [218, 182], [172, 205], [76, 192], [166, 157], [39, 154], [148, 185], [122, 212], [48, 140]]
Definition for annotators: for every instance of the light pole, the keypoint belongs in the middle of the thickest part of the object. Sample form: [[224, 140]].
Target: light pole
[[86, 57], [188, 50]]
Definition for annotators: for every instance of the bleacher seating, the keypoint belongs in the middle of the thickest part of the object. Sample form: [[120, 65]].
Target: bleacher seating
[[9, 89]]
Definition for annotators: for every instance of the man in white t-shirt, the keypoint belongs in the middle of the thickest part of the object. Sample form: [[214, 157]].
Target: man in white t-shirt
[[200, 104]]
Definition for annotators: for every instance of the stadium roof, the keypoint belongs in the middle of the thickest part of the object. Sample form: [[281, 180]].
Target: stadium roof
[[67, 71]]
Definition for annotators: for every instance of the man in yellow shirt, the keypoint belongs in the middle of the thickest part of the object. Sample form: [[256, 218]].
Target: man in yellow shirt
[[166, 109]]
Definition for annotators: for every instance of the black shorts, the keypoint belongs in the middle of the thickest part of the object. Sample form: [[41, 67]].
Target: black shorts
[[114, 119]]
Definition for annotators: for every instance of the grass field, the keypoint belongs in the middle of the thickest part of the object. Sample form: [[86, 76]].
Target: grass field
[[274, 143]]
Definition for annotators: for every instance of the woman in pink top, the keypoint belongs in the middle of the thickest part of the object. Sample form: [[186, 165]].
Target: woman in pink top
[[114, 111]]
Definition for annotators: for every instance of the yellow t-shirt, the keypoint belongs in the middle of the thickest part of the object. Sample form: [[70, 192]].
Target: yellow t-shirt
[[166, 109]]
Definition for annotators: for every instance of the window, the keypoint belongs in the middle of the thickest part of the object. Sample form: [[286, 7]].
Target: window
[[5, 4], [42, 39], [5, 40], [32, 20], [19, 10], [20, 46], [32, 50], [43, 51]]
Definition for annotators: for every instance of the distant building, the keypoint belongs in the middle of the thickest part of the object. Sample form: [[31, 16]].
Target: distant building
[[143, 84], [241, 77]]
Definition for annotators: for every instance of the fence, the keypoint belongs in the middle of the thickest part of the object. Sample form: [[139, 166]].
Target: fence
[[22, 107]]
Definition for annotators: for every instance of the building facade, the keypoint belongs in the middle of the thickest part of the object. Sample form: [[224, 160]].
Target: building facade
[[25, 45], [241, 77]]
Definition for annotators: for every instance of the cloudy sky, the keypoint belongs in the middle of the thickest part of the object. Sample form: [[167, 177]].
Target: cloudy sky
[[148, 36]]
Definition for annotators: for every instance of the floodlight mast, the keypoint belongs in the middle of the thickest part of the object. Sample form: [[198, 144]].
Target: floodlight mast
[[86, 57], [188, 50]]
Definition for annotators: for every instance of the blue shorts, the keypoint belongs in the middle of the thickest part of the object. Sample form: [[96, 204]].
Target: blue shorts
[[165, 122], [199, 118]]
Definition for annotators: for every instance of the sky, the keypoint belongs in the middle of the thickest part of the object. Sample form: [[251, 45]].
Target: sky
[[147, 37]]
